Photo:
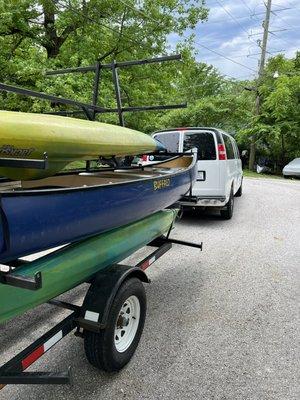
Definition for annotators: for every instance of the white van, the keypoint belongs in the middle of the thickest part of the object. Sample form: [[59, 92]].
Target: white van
[[220, 174]]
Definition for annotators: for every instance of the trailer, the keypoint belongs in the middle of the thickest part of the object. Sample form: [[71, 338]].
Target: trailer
[[110, 320]]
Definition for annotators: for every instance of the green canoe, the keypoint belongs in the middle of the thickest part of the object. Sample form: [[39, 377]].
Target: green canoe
[[29, 136], [70, 266]]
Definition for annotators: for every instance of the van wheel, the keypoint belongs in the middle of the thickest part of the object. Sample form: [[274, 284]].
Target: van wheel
[[227, 212], [240, 190]]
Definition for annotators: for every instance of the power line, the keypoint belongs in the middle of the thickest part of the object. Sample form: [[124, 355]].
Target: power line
[[269, 52], [232, 16], [279, 38], [282, 19], [249, 35], [225, 57], [243, 77], [138, 11], [247, 16], [252, 13], [292, 6], [234, 19], [246, 5], [277, 30], [274, 34]]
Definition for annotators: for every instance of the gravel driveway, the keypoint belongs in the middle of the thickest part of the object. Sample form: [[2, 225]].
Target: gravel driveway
[[221, 324]]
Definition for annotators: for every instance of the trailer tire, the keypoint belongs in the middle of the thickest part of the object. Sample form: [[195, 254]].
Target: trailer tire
[[112, 348]]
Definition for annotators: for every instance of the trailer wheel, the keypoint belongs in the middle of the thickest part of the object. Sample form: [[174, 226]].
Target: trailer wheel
[[112, 348]]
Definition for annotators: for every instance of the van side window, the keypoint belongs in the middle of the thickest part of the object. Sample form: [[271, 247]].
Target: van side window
[[236, 149], [204, 142], [229, 147]]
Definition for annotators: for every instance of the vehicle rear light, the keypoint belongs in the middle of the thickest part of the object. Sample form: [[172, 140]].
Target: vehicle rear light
[[144, 157], [222, 152]]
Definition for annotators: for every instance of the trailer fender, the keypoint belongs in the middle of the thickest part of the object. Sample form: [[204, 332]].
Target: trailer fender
[[99, 298]]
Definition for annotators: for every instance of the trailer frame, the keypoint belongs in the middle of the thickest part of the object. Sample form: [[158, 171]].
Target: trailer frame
[[82, 318]]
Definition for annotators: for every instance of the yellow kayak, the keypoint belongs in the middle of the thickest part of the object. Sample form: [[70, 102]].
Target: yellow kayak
[[30, 136]]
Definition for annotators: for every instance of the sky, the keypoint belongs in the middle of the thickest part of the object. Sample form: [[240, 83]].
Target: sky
[[233, 28]]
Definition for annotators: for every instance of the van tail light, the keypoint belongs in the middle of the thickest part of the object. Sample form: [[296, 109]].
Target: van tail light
[[144, 157], [222, 152]]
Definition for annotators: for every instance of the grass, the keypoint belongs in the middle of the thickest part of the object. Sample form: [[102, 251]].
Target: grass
[[252, 174], [75, 165]]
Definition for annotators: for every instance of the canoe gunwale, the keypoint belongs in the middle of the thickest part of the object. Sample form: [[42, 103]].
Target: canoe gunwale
[[47, 191]]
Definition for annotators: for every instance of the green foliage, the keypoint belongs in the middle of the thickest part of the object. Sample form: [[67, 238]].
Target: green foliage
[[229, 111], [277, 128], [38, 35]]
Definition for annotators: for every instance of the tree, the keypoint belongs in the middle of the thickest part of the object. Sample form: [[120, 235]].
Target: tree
[[214, 101], [277, 129], [45, 34]]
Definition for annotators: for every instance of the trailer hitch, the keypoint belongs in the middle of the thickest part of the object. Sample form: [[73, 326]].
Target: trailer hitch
[[163, 240]]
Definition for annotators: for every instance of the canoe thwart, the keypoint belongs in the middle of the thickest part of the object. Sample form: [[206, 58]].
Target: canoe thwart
[[21, 281], [25, 162]]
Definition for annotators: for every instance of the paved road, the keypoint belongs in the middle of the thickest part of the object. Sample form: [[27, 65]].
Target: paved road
[[222, 324]]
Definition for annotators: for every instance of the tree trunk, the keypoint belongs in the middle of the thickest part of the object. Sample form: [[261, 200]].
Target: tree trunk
[[253, 141], [51, 40], [252, 154], [282, 150]]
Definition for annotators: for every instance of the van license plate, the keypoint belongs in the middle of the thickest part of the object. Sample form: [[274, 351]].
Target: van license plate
[[201, 176]]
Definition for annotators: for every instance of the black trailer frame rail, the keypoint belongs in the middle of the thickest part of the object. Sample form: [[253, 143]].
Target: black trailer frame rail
[[21, 281], [25, 162], [13, 372]]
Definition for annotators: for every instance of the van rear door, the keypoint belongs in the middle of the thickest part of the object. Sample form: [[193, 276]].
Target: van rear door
[[207, 184]]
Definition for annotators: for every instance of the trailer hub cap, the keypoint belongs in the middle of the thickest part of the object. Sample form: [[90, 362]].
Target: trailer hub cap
[[127, 323]]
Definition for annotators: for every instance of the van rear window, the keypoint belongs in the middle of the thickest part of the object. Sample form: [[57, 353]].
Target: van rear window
[[204, 142]]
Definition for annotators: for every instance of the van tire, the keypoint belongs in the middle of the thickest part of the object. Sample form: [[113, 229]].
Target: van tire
[[228, 209], [240, 190]]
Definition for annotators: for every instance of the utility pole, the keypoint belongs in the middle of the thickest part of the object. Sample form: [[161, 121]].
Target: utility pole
[[266, 24]]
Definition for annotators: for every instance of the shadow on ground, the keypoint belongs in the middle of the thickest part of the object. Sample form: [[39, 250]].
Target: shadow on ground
[[201, 217]]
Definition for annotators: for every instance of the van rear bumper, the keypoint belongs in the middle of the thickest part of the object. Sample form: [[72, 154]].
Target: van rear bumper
[[203, 201]]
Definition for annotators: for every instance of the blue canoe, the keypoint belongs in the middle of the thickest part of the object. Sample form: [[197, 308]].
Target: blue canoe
[[37, 215]]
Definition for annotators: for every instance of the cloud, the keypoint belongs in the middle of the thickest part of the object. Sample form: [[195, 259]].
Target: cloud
[[235, 36]]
